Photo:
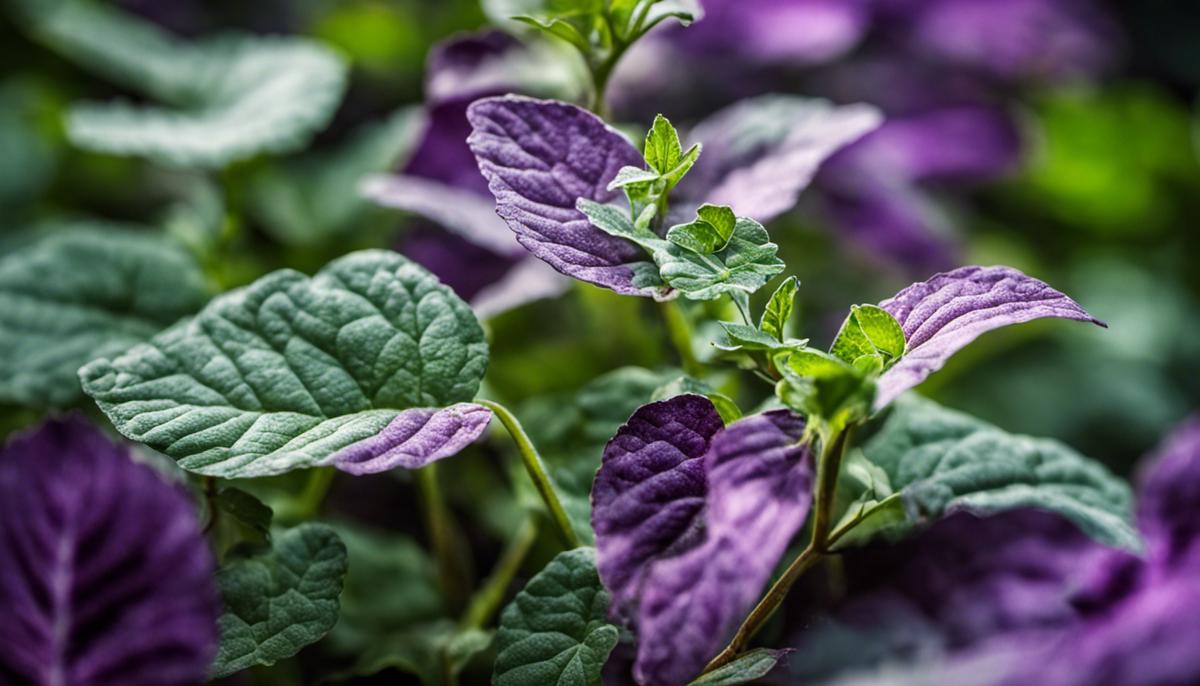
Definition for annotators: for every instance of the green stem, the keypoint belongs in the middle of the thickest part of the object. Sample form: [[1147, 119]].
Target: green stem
[[440, 529], [308, 503], [680, 332], [488, 598], [536, 469], [827, 473]]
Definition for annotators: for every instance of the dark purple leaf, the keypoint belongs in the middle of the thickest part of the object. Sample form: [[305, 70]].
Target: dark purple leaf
[[1168, 510], [415, 438], [649, 493], [442, 154], [942, 315], [788, 32], [463, 66], [539, 158], [760, 489], [105, 577]]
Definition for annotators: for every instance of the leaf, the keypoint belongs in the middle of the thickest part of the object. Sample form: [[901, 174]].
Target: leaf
[[708, 233], [540, 157], [942, 461], [84, 290], [823, 386], [628, 176], [662, 150], [870, 332], [746, 264], [778, 312], [226, 99], [752, 665], [560, 28], [556, 631], [368, 365], [614, 221], [98, 586], [750, 339], [246, 509], [942, 315], [462, 211], [279, 602], [681, 385], [684, 11], [760, 153]]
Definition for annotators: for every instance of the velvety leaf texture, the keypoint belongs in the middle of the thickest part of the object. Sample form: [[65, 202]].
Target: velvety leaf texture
[[942, 315], [105, 577], [81, 292], [760, 490], [556, 630], [277, 603], [539, 158], [759, 154], [367, 366], [227, 98], [648, 496], [942, 461]]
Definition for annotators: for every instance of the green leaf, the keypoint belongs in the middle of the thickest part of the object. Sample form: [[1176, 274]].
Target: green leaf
[[870, 332], [84, 290], [434, 652], [628, 176], [748, 338], [746, 264], [824, 387], [673, 176], [560, 28], [940, 461], [708, 233], [658, 11], [224, 99], [726, 407], [779, 308], [277, 603], [290, 370], [246, 509], [556, 630], [748, 667], [662, 149], [615, 222]]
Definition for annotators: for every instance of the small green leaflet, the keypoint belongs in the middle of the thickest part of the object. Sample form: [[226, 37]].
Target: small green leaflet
[[287, 372], [708, 233], [940, 461], [662, 150], [872, 333], [752, 665], [824, 387], [748, 338], [615, 222], [85, 290], [556, 630], [779, 309], [279, 602], [746, 264], [224, 99]]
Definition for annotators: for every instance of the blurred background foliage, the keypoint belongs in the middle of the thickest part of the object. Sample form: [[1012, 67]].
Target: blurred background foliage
[[1081, 169]]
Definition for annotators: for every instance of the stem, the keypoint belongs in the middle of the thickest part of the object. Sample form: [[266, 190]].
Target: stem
[[487, 599], [536, 469], [441, 535], [210, 501], [680, 332], [308, 503], [827, 473]]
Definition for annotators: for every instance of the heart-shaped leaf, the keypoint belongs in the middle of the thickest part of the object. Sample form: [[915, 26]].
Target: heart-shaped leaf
[[556, 630], [279, 602], [82, 291], [368, 365], [105, 577]]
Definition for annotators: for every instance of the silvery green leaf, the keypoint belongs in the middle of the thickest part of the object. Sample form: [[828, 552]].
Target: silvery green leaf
[[869, 332], [779, 308], [367, 365], [746, 264], [708, 233], [750, 666], [742, 337], [279, 602], [556, 630], [615, 222], [84, 290], [943, 461], [632, 175]]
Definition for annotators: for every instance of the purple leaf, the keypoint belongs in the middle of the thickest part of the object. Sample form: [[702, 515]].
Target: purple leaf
[[540, 157], [1168, 509], [760, 490], [105, 577], [414, 439], [759, 154], [942, 315], [469, 65], [528, 280], [465, 212], [648, 495], [786, 32]]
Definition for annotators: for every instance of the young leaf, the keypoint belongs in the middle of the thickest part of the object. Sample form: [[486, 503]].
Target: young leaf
[[708, 233], [556, 630], [779, 309], [105, 576], [615, 222], [662, 150], [628, 176], [748, 338], [868, 332], [279, 602], [368, 365], [751, 666], [648, 496], [86, 290], [539, 158], [759, 491], [746, 264], [942, 315], [821, 385], [942, 461]]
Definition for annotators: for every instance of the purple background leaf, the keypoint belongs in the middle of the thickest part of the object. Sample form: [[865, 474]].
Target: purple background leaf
[[1168, 510], [539, 157], [760, 490], [466, 212], [105, 577], [649, 492], [415, 438], [942, 315]]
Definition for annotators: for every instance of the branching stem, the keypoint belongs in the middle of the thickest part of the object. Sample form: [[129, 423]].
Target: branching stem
[[488, 598]]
